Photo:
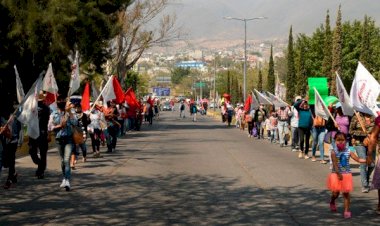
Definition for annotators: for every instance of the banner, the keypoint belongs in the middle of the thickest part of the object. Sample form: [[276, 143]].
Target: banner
[[19, 88], [320, 84], [75, 79], [262, 98], [364, 91], [29, 113], [344, 98], [277, 102], [255, 103], [320, 107]]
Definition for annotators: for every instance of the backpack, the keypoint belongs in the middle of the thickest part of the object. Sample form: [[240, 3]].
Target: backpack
[[254, 131], [318, 121]]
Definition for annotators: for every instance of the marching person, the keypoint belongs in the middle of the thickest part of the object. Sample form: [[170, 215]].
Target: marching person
[[305, 123], [83, 122], [41, 143], [9, 136], [370, 160], [63, 119], [283, 118], [360, 142], [340, 179], [95, 130]]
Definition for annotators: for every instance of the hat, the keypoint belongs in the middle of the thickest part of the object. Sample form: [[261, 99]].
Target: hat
[[297, 98], [338, 105]]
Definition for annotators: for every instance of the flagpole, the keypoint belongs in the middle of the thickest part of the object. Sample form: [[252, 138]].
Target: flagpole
[[97, 99]]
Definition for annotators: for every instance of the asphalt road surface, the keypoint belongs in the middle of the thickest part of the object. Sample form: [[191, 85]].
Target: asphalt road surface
[[179, 172]]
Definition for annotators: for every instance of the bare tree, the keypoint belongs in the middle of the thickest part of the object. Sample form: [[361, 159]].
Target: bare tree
[[137, 33]]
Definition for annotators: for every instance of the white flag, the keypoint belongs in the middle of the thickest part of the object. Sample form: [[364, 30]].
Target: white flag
[[75, 79], [108, 92], [49, 83], [343, 96], [320, 107], [364, 91], [94, 91], [262, 98], [29, 113], [277, 102], [19, 88], [255, 103]]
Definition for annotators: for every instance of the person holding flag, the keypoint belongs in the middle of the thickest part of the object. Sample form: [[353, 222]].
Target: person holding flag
[[63, 119], [41, 142], [10, 133], [361, 126], [305, 123]]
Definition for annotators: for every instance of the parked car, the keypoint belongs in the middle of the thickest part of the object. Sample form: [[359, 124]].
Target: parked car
[[166, 106]]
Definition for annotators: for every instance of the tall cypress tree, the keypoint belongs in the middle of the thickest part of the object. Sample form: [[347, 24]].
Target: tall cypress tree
[[291, 74], [337, 52], [228, 82], [365, 51], [327, 50], [271, 79], [301, 72], [260, 81]]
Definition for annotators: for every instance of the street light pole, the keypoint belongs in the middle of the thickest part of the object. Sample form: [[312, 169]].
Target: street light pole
[[245, 47], [214, 81]]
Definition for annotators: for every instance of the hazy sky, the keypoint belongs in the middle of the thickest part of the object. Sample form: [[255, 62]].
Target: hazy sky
[[204, 18]]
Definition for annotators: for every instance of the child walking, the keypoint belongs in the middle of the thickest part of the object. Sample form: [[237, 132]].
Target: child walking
[[340, 179], [268, 128], [273, 124]]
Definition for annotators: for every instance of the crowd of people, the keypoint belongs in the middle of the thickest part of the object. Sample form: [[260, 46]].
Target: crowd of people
[[66, 122], [337, 139]]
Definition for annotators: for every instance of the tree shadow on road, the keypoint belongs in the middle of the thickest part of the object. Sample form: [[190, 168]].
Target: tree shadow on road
[[169, 199]]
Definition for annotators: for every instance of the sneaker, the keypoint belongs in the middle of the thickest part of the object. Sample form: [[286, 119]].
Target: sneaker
[[306, 157], [365, 190], [313, 159], [67, 185], [63, 183], [300, 155], [333, 207], [347, 214], [294, 150], [323, 162]]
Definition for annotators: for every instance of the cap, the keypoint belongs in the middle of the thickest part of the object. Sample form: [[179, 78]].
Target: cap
[[338, 105], [297, 98]]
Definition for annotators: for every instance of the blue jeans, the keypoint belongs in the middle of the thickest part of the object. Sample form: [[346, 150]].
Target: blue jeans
[[295, 138], [365, 170], [273, 135], [65, 148], [318, 134], [260, 131], [282, 130]]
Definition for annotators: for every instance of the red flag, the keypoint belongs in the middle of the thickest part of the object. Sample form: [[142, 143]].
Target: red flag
[[118, 91], [150, 101], [247, 104], [50, 98], [130, 97], [86, 98]]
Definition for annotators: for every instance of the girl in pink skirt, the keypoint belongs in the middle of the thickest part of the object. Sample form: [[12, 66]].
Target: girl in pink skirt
[[340, 179]]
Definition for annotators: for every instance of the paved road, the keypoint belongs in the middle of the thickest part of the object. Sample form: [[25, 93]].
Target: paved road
[[179, 172]]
